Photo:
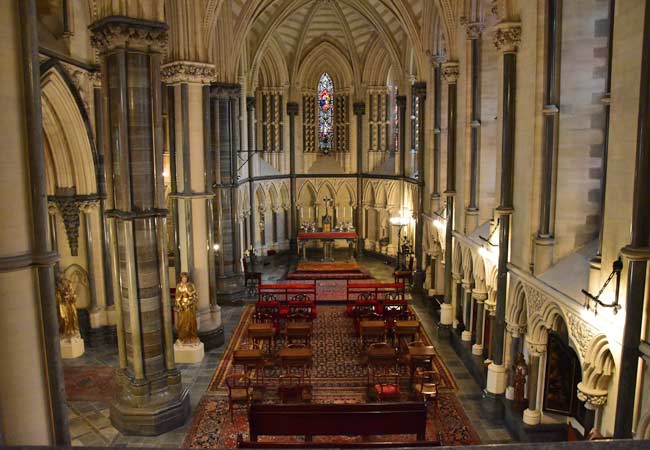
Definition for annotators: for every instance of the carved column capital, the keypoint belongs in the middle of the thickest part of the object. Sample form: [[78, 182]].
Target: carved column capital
[[359, 108], [507, 36], [474, 30], [115, 32], [515, 330], [292, 108], [438, 59], [450, 72], [594, 398], [187, 72], [535, 348]]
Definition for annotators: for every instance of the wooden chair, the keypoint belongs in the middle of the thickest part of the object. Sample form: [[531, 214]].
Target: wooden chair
[[298, 328], [254, 277], [300, 366], [384, 384], [239, 391], [402, 276], [291, 389], [368, 335], [425, 386], [381, 354]]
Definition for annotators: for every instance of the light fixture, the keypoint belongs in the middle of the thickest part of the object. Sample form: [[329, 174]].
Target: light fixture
[[617, 268], [399, 220], [165, 173], [442, 212], [489, 238], [216, 247]]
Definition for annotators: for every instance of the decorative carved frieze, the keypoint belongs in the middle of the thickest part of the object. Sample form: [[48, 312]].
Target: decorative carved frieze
[[187, 72], [535, 348], [515, 330], [534, 300], [450, 72], [121, 32], [507, 36], [581, 332]]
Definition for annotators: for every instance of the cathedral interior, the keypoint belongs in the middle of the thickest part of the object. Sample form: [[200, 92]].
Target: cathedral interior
[[325, 223]]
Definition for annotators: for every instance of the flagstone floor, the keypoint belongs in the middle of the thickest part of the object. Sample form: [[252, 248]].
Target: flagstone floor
[[90, 424]]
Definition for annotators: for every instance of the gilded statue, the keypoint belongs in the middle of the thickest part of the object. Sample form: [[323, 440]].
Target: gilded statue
[[185, 306], [520, 369], [66, 300]]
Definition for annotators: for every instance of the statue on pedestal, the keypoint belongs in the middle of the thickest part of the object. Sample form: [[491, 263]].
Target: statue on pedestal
[[66, 300], [185, 304], [520, 369]]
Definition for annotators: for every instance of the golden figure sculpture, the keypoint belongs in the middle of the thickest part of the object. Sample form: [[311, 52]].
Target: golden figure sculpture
[[185, 306], [66, 300]]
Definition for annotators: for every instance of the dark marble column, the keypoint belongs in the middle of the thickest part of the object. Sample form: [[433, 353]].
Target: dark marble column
[[401, 111], [292, 111], [251, 106], [474, 31], [359, 109], [636, 254], [150, 399], [450, 73], [437, 102], [507, 38], [420, 92], [224, 113], [532, 414]]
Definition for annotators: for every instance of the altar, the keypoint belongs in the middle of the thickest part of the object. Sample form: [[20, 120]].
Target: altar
[[327, 238]]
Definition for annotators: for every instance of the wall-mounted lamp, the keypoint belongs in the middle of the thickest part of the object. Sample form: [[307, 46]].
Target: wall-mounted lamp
[[617, 268], [489, 238], [216, 247], [442, 212]]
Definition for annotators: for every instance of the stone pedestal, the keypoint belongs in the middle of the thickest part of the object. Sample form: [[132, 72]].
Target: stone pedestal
[[510, 393], [446, 314], [496, 379], [477, 349], [543, 254], [188, 353], [466, 336], [72, 348]]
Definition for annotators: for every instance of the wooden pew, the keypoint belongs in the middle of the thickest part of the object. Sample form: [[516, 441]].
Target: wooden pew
[[241, 443], [364, 419]]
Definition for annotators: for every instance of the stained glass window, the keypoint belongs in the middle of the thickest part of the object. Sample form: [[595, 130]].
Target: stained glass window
[[325, 113]]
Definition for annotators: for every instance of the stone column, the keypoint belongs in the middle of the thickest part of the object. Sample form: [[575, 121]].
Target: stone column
[[490, 310], [456, 303], [32, 395], [512, 344], [507, 38], [437, 102], [479, 297], [193, 192], [292, 111], [359, 109], [450, 73], [224, 145], [545, 241], [636, 254], [150, 399], [466, 335], [401, 111], [474, 31], [251, 105], [420, 91], [533, 414]]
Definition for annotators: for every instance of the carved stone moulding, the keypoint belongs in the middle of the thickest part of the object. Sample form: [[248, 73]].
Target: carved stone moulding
[[115, 32], [474, 30], [188, 72], [536, 348], [594, 398], [507, 36]]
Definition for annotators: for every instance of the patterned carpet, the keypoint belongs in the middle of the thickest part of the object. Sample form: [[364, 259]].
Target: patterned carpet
[[84, 383], [336, 365]]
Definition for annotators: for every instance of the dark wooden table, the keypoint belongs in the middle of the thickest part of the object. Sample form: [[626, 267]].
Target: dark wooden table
[[262, 332], [421, 355]]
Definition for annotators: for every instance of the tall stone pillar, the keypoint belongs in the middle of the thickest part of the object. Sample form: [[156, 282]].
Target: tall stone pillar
[[466, 335], [359, 109], [251, 105], [636, 254], [456, 303], [186, 82], [420, 91], [292, 111], [474, 31], [533, 414], [479, 297], [450, 74], [507, 38], [401, 111], [32, 395], [150, 398], [437, 106], [514, 335], [224, 120]]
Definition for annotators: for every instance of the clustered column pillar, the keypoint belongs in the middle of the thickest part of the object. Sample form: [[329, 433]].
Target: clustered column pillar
[[533, 414], [450, 74], [479, 297], [359, 109], [186, 83], [507, 38], [292, 111], [150, 398], [420, 92], [466, 335]]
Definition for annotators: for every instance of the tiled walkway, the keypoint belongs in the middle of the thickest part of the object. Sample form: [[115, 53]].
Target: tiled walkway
[[90, 426]]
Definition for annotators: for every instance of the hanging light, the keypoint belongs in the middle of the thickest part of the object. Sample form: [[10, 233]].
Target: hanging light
[[617, 268]]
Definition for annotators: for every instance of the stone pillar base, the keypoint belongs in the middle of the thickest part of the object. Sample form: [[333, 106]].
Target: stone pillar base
[[496, 379], [188, 353], [455, 324], [230, 290], [72, 347], [471, 220], [532, 417], [466, 336], [446, 314], [151, 420], [510, 393], [213, 338], [477, 349], [543, 254]]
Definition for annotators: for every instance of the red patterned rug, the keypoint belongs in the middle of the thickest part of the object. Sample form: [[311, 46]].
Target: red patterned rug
[[86, 383], [212, 427], [337, 365]]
